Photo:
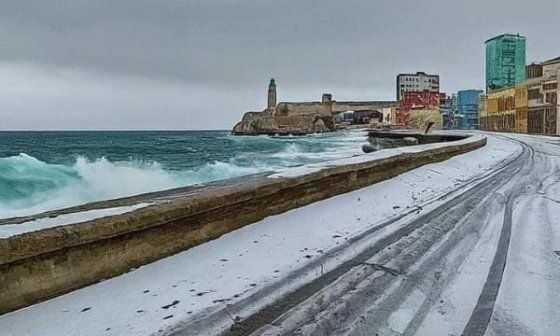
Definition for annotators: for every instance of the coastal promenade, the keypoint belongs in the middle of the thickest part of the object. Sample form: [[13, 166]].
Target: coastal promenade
[[458, 246]]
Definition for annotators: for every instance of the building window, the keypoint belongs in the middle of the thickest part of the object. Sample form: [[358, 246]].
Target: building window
[[550, 86]]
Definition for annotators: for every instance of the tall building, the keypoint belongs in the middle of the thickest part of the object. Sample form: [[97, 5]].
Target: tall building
[[417, 82], [467, 105], [505, 61]]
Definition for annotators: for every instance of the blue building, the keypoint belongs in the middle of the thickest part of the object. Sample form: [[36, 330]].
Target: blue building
[[446, 111], [467, 106]]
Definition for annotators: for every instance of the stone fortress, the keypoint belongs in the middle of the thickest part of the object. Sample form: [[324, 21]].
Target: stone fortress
[[300, 118]]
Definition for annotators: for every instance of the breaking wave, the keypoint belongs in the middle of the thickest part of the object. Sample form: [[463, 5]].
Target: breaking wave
[[28, 185]]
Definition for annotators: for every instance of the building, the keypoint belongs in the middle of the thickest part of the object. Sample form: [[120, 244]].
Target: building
[[461, 109], [543, 109], [418, 82], [527, 107], [505, 61], [454, 102], [550, 69], [417, 108], [481, 108], [533, 86], [520, 108], [533, 70], [446, 110], [499, 111], [467, 106], [387, 115], [367, 117], [394, 115]]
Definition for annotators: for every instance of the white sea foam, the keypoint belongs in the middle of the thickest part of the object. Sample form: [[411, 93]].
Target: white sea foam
[[38, 186], [56, 186]]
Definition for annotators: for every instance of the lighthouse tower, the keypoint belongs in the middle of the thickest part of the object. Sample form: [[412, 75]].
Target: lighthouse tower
[[271, 106]]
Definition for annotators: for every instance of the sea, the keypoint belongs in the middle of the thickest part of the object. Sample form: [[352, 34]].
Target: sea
[[42, 171]]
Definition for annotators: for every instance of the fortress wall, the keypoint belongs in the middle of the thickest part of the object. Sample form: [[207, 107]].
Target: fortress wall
[[248, 116], [42, 264], [327, 109], [307, 108], [353, 106]]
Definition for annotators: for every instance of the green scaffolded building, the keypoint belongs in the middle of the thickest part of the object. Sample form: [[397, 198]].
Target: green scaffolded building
[[505, 61]]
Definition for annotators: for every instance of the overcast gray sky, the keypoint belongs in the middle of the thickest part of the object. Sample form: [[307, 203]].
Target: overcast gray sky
[[138, 64]]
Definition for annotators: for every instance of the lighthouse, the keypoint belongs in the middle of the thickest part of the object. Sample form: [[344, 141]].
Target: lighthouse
[[271, 96]]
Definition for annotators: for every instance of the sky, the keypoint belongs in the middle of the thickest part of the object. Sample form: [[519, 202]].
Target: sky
[[139, 64]]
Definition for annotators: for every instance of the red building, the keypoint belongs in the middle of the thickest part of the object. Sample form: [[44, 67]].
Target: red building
[[417, 100]]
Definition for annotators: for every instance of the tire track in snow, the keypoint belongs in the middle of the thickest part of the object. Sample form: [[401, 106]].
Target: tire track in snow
[[480, 317], [478, 322]]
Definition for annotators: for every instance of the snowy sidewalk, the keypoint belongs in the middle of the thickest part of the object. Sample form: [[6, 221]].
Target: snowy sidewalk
[[157, 296]]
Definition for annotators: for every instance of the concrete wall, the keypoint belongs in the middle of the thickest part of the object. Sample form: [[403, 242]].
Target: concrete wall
[[46, 263]]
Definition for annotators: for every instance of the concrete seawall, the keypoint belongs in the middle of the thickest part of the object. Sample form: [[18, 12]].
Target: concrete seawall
[[37, 265]]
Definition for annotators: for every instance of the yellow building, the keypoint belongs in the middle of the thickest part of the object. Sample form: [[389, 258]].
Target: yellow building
[[499, 111], [521, 108]]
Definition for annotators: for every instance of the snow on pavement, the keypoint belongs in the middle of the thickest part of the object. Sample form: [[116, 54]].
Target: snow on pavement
[[527, 301], [450, 315], [157, 296], [9, 230]]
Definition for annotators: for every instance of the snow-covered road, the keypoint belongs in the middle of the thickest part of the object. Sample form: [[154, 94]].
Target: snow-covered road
[[466, 246]]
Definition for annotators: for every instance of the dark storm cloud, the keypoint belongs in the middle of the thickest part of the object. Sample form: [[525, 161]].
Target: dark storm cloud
[[228, 49]]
